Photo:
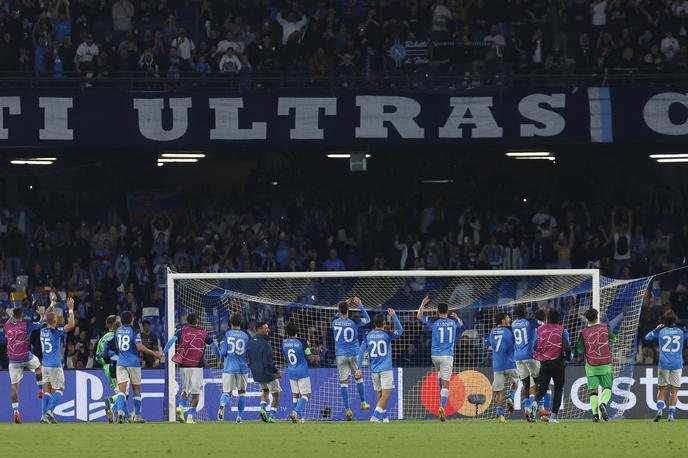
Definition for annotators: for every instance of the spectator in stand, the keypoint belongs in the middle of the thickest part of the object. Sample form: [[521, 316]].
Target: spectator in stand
[[62, 22], [122, 14], [563, 247], [185, 49], [148, 64], [291, 27], [151, 342], [333, 262], [230, 63], [669, 46], [494, 253], [86, 53], [320, 64]]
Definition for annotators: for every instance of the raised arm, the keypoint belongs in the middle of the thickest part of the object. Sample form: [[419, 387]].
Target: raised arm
[[399, 329], [302, 23], [613, 231], [361, 352], [630, 221], [366, 318], [652, 335], [71, 322], [457, 318], [421, 310]]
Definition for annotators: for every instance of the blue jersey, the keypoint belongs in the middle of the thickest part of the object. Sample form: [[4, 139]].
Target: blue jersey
[[524, 338], [445, 333], [233, 351], [126, 339], [378, 344], [295, 353], [501, 340], [346, 334], [670, 346], [51, 344]]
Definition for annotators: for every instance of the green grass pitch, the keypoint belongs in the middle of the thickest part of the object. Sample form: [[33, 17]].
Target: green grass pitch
[[623, 438]]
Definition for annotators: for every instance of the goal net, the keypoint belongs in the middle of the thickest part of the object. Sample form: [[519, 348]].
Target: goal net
[[309, 299]]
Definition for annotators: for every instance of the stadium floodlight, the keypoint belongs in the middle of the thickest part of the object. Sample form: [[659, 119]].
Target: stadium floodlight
[[30, 162], [310, 298], [668, 155], [536, 158], [343, 156], [527, 153], [673, 160], [179, 159], [183, 155]]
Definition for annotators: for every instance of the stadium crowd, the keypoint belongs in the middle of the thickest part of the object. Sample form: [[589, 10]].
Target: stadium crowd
[[116, 266], [245, 39]]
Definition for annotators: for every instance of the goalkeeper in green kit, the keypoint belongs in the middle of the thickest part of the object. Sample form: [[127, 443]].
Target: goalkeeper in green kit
[[595, 342], [111, 323]]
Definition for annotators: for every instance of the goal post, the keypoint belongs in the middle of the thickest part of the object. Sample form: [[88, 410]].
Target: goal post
[[310, 298]]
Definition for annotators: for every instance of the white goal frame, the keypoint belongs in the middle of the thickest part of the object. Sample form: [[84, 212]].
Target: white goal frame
[[173, 276]]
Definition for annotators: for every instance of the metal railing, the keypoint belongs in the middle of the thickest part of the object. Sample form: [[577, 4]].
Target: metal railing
[[422, 80]]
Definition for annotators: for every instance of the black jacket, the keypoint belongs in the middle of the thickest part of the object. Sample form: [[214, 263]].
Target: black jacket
[[260, 361]]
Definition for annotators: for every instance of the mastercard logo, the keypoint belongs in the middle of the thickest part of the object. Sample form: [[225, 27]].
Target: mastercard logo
[[461, 385]]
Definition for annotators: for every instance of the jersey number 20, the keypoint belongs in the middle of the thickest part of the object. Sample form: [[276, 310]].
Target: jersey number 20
[[378, 348]]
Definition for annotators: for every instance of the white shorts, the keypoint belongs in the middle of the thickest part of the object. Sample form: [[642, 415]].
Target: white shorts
[[445, 366], [383, 380], [231, 382], [528, 368], [130, 375], [669, 377], [504, 379], [301, 386], [273, 387], [54, 376], [192, 379], [17, 369], [346, 366]]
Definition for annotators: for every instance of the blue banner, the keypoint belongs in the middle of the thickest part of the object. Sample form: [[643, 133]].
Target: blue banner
[[206, 119], [211, 119], [415, 396]]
